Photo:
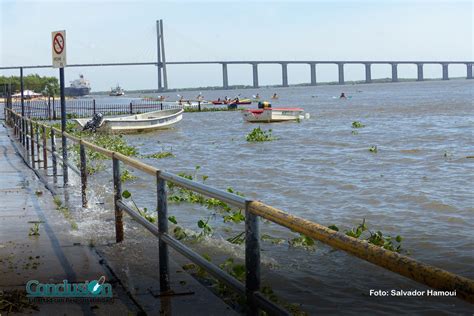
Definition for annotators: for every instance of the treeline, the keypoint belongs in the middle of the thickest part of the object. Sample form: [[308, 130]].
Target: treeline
[[48, 86]]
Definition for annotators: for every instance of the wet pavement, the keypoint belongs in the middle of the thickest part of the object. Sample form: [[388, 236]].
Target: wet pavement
[[36, 244]]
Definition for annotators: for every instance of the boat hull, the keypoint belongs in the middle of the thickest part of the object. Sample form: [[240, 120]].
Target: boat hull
[[76, 92], [273, 115], [138, 123]]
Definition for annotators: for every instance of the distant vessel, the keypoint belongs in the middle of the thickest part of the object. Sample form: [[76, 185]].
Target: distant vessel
[[79, 87], [117, 91]]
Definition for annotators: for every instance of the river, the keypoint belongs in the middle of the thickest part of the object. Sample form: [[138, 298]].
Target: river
[[418, 185]]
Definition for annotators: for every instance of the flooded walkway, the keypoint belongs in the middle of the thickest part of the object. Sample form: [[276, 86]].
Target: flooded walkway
[[36, 244]]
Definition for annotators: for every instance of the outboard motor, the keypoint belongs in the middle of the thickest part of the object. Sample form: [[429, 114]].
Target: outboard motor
[[94, 123]]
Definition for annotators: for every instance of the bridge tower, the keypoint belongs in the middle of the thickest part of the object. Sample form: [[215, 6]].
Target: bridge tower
[[161, 60]]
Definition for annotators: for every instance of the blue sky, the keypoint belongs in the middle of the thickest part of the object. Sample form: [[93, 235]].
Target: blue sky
[[124, 31]]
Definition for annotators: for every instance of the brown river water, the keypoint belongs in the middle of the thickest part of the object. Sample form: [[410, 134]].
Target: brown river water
[[418, 185]]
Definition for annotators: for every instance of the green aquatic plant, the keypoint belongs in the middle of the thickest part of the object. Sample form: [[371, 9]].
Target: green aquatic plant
[[127, 195], [302, 241], [373, 149], [259, 135], [127, 176], [159, 155], [377, 238], [357, 124], [206, 229]]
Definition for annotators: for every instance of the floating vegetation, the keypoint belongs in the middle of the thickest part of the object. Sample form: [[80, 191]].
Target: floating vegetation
[[302, 241], [377, 238], [259, 135], [127, 176], [143, 213], [38, 193], [373, 149], [357, 124], [159, 155], [355, 133], [206, 109]]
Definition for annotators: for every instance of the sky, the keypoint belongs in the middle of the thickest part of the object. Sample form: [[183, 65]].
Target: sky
[[125, 31]]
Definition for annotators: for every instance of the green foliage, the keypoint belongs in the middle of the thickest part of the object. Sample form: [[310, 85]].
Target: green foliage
[[302, 241], [206, 229], [362, 231], [238, 239], [273, 240], [259, 135], [126, 176], [48, 86], [235, 217], [357, 124], [34, 231], [373, 149], [159, 155], [173, 220], [144, 213]]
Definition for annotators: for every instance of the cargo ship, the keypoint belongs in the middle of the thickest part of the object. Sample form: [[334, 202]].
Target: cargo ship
[[78, 87]]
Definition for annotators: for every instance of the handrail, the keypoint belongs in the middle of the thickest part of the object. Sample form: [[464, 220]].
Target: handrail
[[423, 273]]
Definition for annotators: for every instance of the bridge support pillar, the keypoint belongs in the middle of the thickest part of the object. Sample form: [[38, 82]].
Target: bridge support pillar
[[255, 75], [445, 72], [420, 72], [225, 77], [394, 72], [469, 71], [284, 74], [341, 73], [313, 74], [368, 73]]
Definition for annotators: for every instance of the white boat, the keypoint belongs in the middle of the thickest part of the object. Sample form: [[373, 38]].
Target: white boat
[[268, 115], [117, 91], [139, 122]]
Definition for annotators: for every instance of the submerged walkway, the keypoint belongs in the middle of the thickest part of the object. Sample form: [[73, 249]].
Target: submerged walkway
[[55, 255]]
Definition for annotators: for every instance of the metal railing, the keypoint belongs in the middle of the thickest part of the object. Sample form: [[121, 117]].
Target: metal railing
[[25, 130]]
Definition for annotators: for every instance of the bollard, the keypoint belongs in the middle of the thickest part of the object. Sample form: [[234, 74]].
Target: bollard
[[252, 259], [83, 174], [117, 197], [32, 143], [53, 154], [45, 152], [163, 229]]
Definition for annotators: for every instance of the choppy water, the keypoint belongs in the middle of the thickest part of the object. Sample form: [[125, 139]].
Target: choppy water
[[418, 185]]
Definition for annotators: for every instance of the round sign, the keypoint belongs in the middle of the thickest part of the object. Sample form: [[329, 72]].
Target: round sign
[[58, 43]]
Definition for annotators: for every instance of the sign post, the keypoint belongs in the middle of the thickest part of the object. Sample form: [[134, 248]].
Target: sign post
[[59, 61]]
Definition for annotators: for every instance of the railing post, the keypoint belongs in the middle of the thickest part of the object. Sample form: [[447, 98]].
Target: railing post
[[53, 153], [93, 105], [32, 143], [252, 258], [199, 106], [49, 108], [38, 147], [45, 152], [163, 229], [54, 110], [26, 142], [83, 174], [131, 108], [117, 197]]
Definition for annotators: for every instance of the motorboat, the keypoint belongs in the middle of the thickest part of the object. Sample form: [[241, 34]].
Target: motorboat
[[137, 123], [269, 115], [232, 101]]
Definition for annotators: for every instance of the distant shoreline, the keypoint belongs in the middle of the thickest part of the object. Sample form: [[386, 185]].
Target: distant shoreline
[[235, 87]]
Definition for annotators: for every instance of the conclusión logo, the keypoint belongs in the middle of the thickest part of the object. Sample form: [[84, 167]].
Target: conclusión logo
[[89, 289]]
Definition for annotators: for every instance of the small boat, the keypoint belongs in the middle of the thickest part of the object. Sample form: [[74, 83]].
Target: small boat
[[268, 115], [241, 101], [117, 91], [139, 122]]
